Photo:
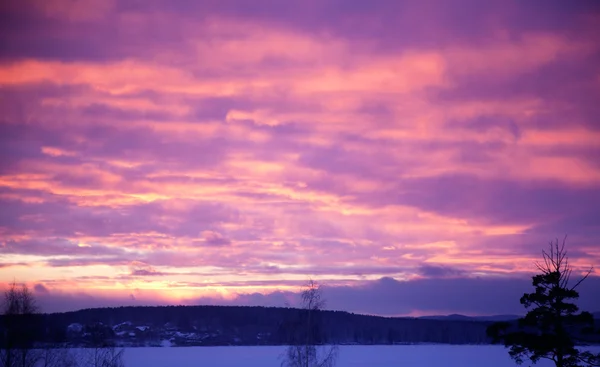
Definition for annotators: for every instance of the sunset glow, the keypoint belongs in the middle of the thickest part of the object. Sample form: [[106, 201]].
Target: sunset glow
[[219, 152]]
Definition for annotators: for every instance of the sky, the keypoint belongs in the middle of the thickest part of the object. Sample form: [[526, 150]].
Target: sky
[[412, 157]]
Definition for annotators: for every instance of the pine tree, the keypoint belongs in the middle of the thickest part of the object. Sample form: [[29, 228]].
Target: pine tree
[[552, 327]]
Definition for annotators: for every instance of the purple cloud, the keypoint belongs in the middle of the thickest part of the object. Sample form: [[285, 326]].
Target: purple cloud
[[386, 296], [434, 141], [434, 271], [40, 288]]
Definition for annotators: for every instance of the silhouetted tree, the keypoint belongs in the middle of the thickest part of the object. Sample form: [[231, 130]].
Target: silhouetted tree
[[101, 351], [106, 356], [19, 327], [552, 327], [305, 349], [53, 356]]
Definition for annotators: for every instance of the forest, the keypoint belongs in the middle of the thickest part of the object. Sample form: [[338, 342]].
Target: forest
[[246, 325], [243, 325]]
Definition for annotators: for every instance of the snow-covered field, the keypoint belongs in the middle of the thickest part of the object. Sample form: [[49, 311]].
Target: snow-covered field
[[350, 356]]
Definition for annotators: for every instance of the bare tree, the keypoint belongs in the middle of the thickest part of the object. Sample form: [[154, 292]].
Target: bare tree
[[56, 357], [306, 349], [101, 351], [106, 356], [18, 310]]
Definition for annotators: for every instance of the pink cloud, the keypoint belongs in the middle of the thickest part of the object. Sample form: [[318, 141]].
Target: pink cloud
[[424, 141]]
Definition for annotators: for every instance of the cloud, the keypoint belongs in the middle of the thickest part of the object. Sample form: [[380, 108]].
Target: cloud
[[385, 296], [40, 288], [433, 271], [64, 302], [474, 296], [212, 238], [139, 268], [238, 149]]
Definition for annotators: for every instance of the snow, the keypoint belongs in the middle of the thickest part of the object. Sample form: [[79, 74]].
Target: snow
[[350, 356], [166, 343], [75, 328], [126, 323]]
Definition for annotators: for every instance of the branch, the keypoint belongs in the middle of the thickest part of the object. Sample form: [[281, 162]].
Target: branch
[[589, 359], [541, 268], [583, 278]]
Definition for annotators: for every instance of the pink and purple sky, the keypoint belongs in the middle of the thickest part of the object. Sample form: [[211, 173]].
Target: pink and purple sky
[[414, 157]]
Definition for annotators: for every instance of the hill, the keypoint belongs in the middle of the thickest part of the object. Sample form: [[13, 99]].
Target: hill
[[232, 325], [237, 325]]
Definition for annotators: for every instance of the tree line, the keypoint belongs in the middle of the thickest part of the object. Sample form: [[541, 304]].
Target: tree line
[[275, 325]]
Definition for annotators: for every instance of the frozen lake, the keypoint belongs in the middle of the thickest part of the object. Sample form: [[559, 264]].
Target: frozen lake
[[350, 356]]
